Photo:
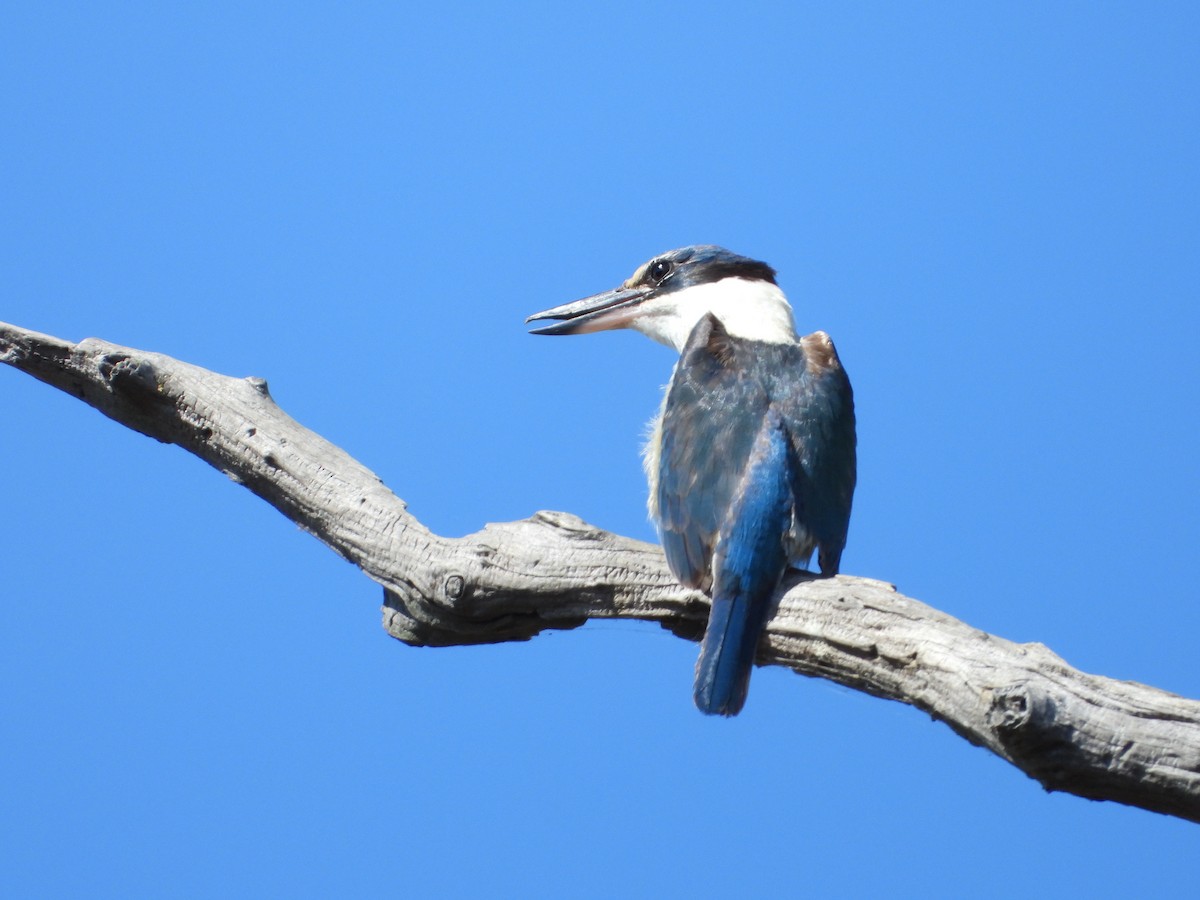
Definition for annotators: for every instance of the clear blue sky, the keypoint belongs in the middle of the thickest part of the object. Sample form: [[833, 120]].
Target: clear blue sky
[[995, 211]]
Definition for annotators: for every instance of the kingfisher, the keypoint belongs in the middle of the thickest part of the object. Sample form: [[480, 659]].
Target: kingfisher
[[751, 457]]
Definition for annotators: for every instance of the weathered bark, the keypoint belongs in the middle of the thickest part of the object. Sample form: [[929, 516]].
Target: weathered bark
[[1084, 734]]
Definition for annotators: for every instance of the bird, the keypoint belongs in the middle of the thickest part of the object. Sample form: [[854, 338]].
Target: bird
[[751, 459]]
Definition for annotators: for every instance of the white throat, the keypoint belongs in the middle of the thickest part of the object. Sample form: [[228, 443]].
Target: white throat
[[751, 309]]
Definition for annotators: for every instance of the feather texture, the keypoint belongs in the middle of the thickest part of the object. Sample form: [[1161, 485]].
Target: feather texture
[[755, 470]]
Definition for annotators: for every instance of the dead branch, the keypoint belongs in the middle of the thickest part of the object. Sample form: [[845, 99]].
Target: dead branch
[[1085, 734]]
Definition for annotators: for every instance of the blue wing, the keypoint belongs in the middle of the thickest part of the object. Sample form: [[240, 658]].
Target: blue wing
[[709, 423], [755, 470], [820, 420]]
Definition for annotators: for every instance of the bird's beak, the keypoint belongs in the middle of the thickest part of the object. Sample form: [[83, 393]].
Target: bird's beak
[[600, 312]]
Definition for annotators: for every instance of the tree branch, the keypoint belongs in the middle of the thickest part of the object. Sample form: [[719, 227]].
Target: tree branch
[[1084, 734]]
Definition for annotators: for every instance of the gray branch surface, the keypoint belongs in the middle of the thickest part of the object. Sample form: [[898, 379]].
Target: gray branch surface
[[1085, 734]]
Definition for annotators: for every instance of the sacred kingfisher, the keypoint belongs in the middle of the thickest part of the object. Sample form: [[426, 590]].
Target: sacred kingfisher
[[751, 459]]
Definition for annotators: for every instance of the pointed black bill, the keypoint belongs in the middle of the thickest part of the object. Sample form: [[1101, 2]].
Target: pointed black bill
[[600, 312]]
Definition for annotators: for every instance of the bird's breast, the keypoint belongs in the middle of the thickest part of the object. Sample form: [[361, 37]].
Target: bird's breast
[[652, 457]]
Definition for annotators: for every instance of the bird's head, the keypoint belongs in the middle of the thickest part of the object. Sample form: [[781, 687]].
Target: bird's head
[[668, 295]]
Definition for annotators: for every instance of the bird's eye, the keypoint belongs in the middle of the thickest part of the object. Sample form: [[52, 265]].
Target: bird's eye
[[659, 269]]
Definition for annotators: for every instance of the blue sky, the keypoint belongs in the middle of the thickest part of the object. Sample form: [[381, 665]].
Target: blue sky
[[995, 211]]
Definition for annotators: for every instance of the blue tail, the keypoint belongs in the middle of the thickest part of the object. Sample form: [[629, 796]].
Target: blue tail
[[727, 653], [747, 565]]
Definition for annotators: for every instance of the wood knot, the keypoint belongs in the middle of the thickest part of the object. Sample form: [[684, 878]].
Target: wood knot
[[259, 385], [1010, 710], [129, 375], [571, 525], [454, 588]]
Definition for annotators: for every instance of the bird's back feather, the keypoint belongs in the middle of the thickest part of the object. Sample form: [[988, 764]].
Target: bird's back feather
[[755, 469]]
